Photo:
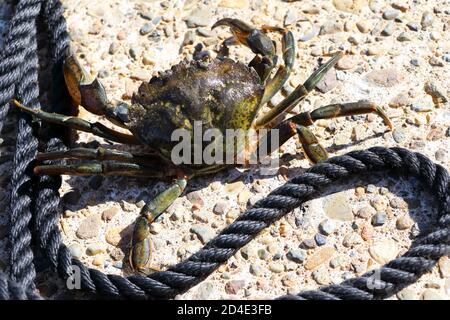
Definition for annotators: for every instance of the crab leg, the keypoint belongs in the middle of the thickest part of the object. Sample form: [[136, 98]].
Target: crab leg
[[90, 93], [140, 253], [77, 123], [283, 73], [100, 154], [298, 125], [298, 94], [105, 169]]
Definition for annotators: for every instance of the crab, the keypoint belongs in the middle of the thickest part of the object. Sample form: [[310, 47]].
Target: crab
[[220, 93]]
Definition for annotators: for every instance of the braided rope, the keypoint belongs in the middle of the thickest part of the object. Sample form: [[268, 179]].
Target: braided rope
[[179, 278]]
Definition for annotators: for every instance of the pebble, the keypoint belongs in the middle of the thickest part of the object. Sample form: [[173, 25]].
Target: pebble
[[427, 20], [296, 255], [364, 26], [399, 135], [336, 206], [385, 77], [256, 269], [118, 264], [308, 244], [320, 239], [205, 290], [90, 227], [234, 4], [407, 294], [346, 63], [365, 212], [200, 17], [446, 57], [366, 232], [384, 251], [404, 36], [435, 62], [113, 236], [375, 51], [319, 257], [400, 100], [420, 107], [388, 29], [321, 276], [195, 198], [76, 251], [444, 266], [398, 203], [116, 254], [350, 240], [94, 249], [391, 14], [276, 267], [379, 219], [148, 61], [141, 74], [413, 26], [331, 27], [263, 254], [440, 155], [98, 261], [404, 222], [431, 294], [146, 28], [327, 227], [110, 213], [352, 6], [435, 92], [290, 18], [234, 286], [205, 234], [221, 207], [205, 32]]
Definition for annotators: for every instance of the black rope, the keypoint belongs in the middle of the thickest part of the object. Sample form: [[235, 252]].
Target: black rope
[[19, 77]]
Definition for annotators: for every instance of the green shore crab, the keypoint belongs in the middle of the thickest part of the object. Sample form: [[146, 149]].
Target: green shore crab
[[221, 93]]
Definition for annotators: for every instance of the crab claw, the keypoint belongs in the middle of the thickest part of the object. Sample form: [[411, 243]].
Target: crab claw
[[141, 246], [248, 36]]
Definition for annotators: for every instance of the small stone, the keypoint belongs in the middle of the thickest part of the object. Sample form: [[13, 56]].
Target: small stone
[[110, 213], [72, 197], [221, 207], [141, 74], [205, 234], [276, 267], [319, 257], [420, 107], [134, 53], [234, 286], [308, 244], [371, 188], [407, 294], [336, 206], [379, 203], [398, 203], [390, 14], [365, 212], [359, 191], [320, 239], [446, 57], [321, 276], [205, 32], [243, 196], [350, 240], [189, 38], [94, 249], [146, 28], [331, 27], [205, 290], [427, 20], [440, 155], [413, 26], [436, 93], [435, 62], [195, 198], [200, 17], [118, 264], [98, 261], [364, 26], [327, 227], [399, 135], [90, 227], [431, 294], [404, 36], [352, 6], [200, 216], [116, 254], [444, 266], [375, 51], [385, 77], [113, 236], [256, 270], [388, 29], [290, 18], [148, 61], [113, 47], [76, 251], [366, 232], [263, 254], [384, 251], [234, 4], [346, 63], [296, 255], [379, 219], [400, 100], [404, 222]]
